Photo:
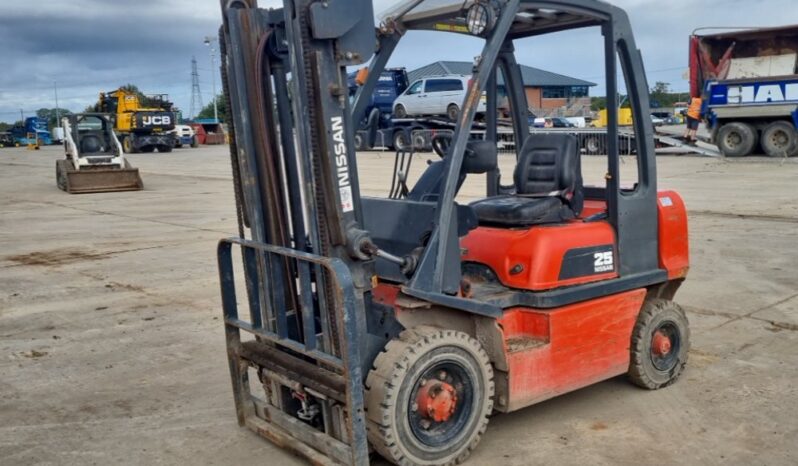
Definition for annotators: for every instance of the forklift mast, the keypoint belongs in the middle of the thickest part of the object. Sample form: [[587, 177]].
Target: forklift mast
[[308, 270]]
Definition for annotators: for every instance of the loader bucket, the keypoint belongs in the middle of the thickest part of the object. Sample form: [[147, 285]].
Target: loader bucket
[[97, 180]]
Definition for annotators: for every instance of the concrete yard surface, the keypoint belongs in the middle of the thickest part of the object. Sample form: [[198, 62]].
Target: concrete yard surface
[[112, 348]]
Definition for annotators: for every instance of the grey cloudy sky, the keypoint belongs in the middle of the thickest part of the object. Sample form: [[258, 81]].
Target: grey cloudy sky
[[91, 45]]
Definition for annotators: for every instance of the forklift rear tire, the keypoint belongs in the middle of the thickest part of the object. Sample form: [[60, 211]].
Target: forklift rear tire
[[780, 139], [660, 344], [737, 139], [428, 397]]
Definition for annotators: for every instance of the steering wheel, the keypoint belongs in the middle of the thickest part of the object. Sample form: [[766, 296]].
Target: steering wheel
[[441, 143]]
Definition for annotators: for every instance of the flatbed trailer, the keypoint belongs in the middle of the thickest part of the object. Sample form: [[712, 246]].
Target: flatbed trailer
[[402, 133], [417, 134]]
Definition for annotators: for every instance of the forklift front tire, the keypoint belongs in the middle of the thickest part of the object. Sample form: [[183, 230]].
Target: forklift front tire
[[428, 397], [660, 344]]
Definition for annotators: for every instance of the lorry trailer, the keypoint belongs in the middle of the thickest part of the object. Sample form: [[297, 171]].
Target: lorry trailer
[[749, 84]]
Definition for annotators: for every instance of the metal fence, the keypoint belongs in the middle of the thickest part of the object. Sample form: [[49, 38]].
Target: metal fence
[[589, 141]]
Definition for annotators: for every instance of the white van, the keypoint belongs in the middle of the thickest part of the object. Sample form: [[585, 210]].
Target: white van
[[435, 95]]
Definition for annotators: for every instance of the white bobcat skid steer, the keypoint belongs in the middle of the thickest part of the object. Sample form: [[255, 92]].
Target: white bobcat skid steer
[[95, 161]]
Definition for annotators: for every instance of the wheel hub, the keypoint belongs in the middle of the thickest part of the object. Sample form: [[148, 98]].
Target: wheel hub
[[779, 139], [661, 344], [734, 140], [436, 400]]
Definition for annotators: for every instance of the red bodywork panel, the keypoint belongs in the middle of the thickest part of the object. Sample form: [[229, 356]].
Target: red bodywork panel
[[674, 252], [539, 250], [555, 351]]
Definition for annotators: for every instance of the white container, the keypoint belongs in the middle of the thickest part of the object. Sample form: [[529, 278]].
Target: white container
[[58, 134]]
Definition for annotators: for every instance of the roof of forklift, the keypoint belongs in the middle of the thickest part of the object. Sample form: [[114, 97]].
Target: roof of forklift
[[450, 15]]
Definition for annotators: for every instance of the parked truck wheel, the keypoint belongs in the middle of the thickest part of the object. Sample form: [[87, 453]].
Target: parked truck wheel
[[780, 139], [400, 111], [428, 397], [421, 142], [592, 145], [360, 142], [453, 111], [400, 140], [737, 139]]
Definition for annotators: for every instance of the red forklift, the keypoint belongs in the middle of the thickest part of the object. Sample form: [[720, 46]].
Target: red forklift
[[399, 325]]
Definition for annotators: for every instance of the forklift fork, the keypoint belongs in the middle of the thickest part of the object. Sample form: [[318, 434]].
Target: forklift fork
[[294, 360]]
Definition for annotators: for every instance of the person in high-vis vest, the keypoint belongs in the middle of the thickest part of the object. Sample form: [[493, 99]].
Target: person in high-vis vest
[[693, 119]]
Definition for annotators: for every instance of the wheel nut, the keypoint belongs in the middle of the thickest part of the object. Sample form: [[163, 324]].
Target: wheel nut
[[442, 375]]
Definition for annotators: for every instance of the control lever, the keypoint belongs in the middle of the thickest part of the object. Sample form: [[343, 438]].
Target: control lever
[[406, 264]]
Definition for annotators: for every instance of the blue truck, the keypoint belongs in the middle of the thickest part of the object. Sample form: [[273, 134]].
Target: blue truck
[[32, 125], [394, 133], [391, 132], [392, 82], [749, 84]]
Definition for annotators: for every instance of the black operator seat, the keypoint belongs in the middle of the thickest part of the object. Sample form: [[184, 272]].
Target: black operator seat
[[480, 157], [548, 182]]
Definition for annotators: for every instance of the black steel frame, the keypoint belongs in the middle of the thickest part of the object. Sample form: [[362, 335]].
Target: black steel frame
[[632, 213]]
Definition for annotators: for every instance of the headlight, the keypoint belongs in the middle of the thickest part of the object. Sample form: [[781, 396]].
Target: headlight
[[480, 19]]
